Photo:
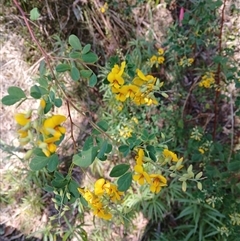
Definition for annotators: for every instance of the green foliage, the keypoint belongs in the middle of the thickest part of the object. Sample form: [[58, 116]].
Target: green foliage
[[160, 157]]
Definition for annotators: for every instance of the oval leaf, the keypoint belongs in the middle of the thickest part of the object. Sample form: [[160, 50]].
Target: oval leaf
[[75, 42], [75, 74], [38, 162], [63, 68], [85, 73], [52, 162], [119, 170], [89, 57], [10, 100], [124, 182], [93, 80], [86, 49], [16, 91]]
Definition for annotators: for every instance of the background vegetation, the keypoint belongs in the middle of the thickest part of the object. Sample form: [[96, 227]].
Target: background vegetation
[[190, 50]]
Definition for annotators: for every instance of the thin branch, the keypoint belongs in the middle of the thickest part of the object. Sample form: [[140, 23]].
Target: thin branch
[[218, 73]]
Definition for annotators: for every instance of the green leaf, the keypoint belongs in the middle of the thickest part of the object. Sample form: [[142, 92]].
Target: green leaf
[[93, 80], [234, 166], [124, 182], [75, 55], [88, 143], [10, 100], [86, 49], [48, 106], [38, 162], [109, 148], [73, 188], [152, 156], [89, 57], [124, 149], [85, 158], [43, 82], [75, 74], [85, 73], [63, 68], [37, 91], [34, 14], [53, 162], [119, 170], [75, 42], [58, 102], [102, 125], [16, 91], [59, 183], [102, 150], [48, 188], [42, 68]]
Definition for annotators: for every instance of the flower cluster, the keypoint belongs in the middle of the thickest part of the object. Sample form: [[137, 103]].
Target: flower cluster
[[207, 80], [52, 131], [186, 61], [170, 157], [196, 134], [158, 59], [156, 181], [49, 130], [140, 90], [235, 218], [103, 191]]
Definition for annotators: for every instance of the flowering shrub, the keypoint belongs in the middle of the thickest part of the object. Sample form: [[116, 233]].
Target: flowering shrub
[[148, 138]]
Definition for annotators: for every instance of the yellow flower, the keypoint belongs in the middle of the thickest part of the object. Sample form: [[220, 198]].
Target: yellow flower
[[121, 96], [139, 99], [142, 176], [142, 79], [104, 8], [22, 119], [153, 59], [160, 59], [126, 132], [158, 181], [150, 101], [201, 150], [42, 103], [102, 213], [190, 61], [113, 192], [115, 76], [135, 120], [47, 148], [130, 90], [52, 125], [139, 157], [99, 186], [160, 51], [170, 155], [207, 80]]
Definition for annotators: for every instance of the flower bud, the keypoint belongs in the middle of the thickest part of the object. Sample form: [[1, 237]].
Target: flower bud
[[28, 155]]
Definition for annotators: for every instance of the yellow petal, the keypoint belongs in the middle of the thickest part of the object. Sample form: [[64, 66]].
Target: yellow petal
[[138, 169], [21, 119]]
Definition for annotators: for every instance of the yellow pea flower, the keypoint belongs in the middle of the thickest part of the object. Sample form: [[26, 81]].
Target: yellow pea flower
[[139, 157], [99, 186], [130, 90], [142, 176], [22, 119], [158, 181], [160, 51], [115, 76], [170, 155]]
